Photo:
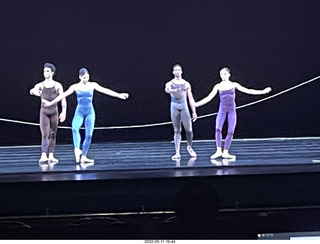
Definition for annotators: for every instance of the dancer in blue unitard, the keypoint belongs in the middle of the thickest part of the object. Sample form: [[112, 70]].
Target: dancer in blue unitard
[[85, 112]]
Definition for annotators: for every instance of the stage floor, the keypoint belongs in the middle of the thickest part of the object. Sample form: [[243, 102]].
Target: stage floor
[[153, 159], [274, 173]]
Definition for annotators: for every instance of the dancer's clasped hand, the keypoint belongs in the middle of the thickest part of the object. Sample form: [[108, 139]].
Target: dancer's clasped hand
[[46, 103]]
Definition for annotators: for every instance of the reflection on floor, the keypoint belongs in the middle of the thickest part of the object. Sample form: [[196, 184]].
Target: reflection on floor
[[135, 156]]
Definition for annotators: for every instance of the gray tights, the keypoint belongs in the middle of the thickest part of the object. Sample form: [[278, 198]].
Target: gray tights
[[178, 117]]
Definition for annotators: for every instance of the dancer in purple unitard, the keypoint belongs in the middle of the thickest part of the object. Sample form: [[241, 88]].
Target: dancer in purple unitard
[[227, 107]]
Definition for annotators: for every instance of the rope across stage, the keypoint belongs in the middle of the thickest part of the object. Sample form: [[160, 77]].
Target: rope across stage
[[168, 123]]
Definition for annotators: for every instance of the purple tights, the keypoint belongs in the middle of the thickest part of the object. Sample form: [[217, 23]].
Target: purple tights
[[232, 121]]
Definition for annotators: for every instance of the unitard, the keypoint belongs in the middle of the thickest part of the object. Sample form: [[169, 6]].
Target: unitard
[[49, 119], [179, 111], [227, 108], [84, 114]]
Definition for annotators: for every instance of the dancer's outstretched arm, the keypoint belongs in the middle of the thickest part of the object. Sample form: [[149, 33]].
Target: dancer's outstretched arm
[[251, 91], [207, 99], [71, 89], [109, 92]]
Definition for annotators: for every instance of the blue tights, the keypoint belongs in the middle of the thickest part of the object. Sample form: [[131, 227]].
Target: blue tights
[[89, 120]]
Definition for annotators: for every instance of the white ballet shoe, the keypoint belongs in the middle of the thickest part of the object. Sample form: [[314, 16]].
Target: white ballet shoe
[[176, 156], [226, 155], [85, 160], [85, 165], [217, 154], [77, 154], [43, 158], [52, 160], [191, 152]]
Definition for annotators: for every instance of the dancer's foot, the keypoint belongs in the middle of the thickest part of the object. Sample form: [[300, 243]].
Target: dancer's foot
[[191, 152], [217, 154], [226, 155], [43, 158], [176, 156], [52, 160], [77, 154], [84, 165], [85, 160]]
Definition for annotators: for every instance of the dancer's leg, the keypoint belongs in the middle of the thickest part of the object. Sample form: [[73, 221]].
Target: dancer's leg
[[77, 122], [187, 124], [221, 117], [89, 128], [232, 122], [54, 120], [45, 132], [176, 122], [218, 136]]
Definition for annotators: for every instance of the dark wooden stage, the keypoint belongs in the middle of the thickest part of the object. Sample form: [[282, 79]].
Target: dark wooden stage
[[140, 179]]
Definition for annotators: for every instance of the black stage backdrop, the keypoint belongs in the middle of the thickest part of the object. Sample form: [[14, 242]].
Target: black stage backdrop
[[131, 45]]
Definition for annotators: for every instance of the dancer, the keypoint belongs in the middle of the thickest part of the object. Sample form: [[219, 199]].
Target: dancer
[[49, 116], [179, 89], [226, 89], [85, 112]]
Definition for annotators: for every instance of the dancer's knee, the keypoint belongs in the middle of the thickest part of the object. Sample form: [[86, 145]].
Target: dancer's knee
[[45, 136], [75, 130], [88, 138], [53, 134], [189, 134]]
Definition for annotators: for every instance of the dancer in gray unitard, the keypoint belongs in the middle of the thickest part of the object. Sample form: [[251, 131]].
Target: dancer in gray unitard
[[49, 116], [179, 89], [227, 108]]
